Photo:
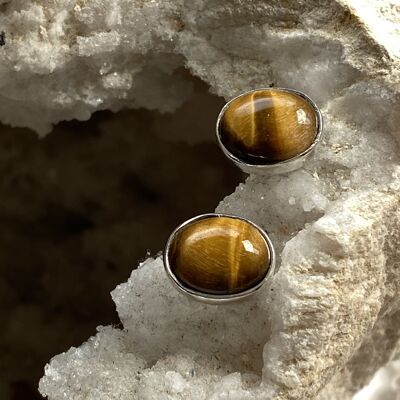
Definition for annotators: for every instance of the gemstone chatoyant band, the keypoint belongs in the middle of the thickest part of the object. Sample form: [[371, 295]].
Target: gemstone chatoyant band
[[218, 258], [269, 130]]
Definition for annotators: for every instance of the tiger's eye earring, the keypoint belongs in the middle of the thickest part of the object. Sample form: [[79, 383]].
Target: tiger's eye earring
[[271, 130], [219, 258]]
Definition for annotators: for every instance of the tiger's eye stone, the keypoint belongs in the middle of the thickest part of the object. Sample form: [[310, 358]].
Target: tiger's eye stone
[[219, 255], [268, 126]]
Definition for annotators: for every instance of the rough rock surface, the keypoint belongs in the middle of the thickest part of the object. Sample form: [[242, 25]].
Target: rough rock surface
[[331, 316]]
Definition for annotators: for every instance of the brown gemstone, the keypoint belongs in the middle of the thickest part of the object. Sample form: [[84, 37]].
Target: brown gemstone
[[219, 255], [267, 126]]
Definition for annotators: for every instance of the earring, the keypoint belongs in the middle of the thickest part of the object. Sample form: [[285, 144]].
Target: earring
[[218, 258], [271, 130]]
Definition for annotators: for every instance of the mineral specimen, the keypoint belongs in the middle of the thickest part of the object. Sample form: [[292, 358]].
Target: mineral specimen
[[219, 255], [331, 316], [267, 126]]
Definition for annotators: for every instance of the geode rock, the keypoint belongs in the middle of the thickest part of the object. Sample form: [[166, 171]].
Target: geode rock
[[331, 316]]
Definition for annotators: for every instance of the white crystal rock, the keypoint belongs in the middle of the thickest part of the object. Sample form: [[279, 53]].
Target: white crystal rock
[[331, 315], [385, 385]]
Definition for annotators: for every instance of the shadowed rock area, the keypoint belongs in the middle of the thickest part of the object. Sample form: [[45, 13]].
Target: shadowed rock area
[[78, 210]]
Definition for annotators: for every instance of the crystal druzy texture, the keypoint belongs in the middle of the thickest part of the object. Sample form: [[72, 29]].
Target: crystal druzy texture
[[331, 315]]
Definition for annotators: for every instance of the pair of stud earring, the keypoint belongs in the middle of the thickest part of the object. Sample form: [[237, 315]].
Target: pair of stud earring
[[218, 258]]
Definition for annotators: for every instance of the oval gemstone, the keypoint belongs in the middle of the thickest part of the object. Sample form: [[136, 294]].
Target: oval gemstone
[[268, 126], [219, 255]]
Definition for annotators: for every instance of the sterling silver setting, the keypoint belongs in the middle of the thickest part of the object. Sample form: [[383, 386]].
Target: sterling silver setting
[[280, 167], [214, 298]]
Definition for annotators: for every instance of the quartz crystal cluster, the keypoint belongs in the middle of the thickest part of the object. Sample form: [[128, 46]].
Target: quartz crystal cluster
[[331, 315]]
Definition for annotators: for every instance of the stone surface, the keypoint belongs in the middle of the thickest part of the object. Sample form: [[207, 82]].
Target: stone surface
[[219, 255], [384, 386], [78, 207], [268, 126], [331, 316]]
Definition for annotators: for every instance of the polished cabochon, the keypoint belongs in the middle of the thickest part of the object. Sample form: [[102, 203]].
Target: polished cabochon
[[269, 130], [218, 258]]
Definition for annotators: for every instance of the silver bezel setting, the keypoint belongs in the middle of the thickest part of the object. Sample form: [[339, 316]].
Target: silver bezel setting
[[214, 298], [278, 167]]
